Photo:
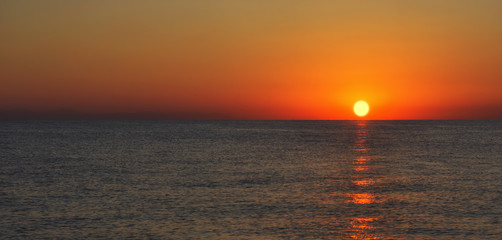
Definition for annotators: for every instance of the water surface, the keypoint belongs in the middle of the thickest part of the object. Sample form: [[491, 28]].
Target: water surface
[[251, 179]]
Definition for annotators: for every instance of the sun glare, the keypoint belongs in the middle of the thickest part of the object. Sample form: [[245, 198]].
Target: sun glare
[[361, 108]]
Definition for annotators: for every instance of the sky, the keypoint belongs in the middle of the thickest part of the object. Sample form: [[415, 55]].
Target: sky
[[257, 59]]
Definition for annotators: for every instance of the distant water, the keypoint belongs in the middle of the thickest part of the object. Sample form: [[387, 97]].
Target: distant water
[[251, 179]]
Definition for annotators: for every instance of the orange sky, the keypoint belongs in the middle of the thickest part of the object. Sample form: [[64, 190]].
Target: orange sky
[[258, 59]]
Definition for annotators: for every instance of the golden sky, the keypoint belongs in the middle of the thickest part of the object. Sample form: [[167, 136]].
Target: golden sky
[[260, 59]]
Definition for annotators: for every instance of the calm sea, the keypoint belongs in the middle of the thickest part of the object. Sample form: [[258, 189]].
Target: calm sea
[[251, 179]]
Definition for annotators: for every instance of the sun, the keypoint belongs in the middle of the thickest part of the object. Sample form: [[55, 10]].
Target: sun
[[361, 108]]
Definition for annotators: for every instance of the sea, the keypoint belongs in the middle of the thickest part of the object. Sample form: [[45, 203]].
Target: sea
[[251, 179]]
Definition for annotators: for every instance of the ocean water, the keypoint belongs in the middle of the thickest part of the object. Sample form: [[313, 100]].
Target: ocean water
[[251, 179]]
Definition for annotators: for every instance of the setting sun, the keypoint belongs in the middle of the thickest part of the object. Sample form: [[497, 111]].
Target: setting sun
[[361, 108]]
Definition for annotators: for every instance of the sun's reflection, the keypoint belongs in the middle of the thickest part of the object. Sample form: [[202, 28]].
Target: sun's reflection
[[358, 199], [362, 198], [362, 226], [361, 168], [360, 148], [362, 223], [364, 182], [362, 135], [361, 160]]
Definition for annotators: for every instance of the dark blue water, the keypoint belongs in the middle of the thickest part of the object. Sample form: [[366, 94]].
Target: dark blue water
[[251, 179]]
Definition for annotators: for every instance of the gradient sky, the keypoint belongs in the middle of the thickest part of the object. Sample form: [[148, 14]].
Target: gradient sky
[[257, 59]]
